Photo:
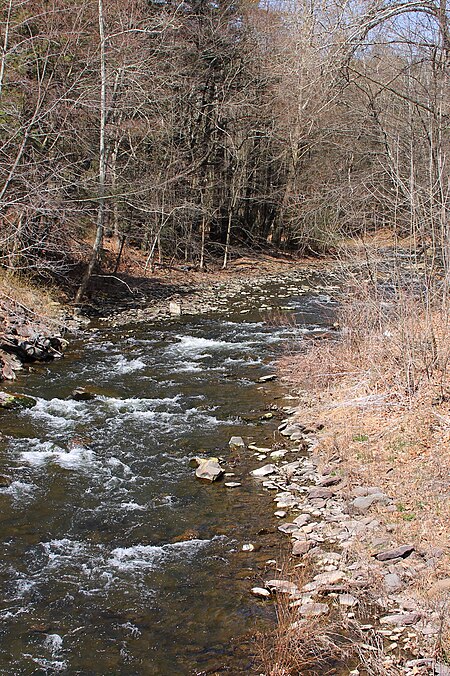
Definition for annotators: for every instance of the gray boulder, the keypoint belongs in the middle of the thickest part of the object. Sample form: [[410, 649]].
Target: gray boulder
[[208, 469]]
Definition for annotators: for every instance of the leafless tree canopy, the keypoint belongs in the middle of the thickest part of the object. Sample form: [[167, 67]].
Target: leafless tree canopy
[[189, 128]]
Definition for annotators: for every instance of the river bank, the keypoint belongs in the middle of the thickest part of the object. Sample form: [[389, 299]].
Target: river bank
[[370, 511]]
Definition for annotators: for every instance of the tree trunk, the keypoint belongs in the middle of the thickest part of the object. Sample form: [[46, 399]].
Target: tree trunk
[[102, 161]]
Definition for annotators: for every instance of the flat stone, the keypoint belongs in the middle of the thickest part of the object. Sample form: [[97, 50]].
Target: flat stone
[[329, 578], [313, 609], [278, 455], [400, 620], [398, 553], [282, 586], [266, 470], [301, 547], [296, 436], [268, 378], [318, 503], [261, 592], [232, 484], [288, 527], [347, 600], [302, 520], [174, 309], [271, 486], [291, 429], [286, 501], [330, 481], [364, 503], [320, 493], [248, 547], [280, 513], [290, 467]]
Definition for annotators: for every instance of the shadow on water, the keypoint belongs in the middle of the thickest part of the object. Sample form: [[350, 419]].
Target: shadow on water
[[115, 559]]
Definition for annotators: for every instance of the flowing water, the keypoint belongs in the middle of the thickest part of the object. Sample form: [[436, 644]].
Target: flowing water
[[115, 559]]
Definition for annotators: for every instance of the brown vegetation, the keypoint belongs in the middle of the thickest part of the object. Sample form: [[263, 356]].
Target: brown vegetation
[[382, 392]]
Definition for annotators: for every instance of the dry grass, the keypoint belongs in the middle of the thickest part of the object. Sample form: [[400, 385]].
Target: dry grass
[[383, 395], [317, 646], [21, 297]]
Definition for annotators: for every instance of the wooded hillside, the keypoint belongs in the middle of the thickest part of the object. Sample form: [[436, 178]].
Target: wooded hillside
[[188, 128]]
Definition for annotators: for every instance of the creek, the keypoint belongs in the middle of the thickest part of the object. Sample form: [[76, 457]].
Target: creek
[[115, 558]]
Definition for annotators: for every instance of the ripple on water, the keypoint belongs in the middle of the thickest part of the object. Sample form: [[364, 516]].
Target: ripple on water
[[58, 413], [123, 365], [139, 557], [77, 457], [199, 348]]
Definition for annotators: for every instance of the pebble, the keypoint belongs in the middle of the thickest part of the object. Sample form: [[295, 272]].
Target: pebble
[[261, 592], [313, 609], [397, 553], [347, 600], [266, 470], [301, 547], [282, 586], [399, 619]]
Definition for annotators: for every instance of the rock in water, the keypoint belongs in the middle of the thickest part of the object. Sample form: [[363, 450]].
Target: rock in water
[[208, 469], [264, 471], [16, 401], [82, 394], [268, 378], [236, 443]]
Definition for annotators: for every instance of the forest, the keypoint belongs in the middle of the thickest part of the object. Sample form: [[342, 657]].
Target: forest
[[187, 129]]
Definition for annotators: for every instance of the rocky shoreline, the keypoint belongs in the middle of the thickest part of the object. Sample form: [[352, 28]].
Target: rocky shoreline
[[346, 569], [203, 294], [26, 338]]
